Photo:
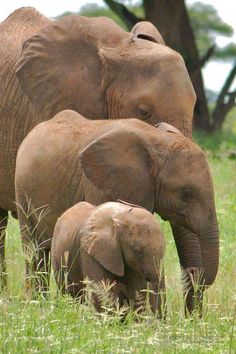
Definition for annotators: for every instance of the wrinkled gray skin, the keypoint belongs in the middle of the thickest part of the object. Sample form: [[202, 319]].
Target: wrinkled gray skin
[[89, 65], [113, 242], [70, 159]]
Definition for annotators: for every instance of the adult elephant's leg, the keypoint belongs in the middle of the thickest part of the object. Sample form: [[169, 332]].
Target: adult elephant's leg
[[28, 236], [3, 225], [190, 258]]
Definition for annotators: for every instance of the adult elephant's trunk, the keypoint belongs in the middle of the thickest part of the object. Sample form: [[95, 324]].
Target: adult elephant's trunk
[[184, 124], [199, 259]]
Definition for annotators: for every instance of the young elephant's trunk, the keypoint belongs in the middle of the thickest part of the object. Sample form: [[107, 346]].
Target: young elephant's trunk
[[158, 301], [209, 244], [199, 259], [205, 276]]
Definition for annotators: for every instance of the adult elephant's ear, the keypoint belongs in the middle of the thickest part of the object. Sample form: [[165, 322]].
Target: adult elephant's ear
[[119, 164], [58, 67], [146, 30], [100, 241], [168, 128]]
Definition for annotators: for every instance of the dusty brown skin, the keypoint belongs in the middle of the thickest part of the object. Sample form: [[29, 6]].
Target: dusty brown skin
[[89, 65], [112, 242], [70, 159]]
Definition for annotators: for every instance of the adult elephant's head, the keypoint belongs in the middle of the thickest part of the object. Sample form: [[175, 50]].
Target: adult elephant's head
[[165, 172], [97, 69]]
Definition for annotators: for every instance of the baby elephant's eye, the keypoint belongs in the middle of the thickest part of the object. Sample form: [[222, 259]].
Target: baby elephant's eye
[[186, 195]]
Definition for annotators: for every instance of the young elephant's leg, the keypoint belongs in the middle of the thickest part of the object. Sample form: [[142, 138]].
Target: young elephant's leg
[[137, 287], [118, 295], [3, 225], [24, 213], [119, 292]]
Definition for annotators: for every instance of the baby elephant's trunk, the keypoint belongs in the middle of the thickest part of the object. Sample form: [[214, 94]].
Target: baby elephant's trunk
[[158, 299]]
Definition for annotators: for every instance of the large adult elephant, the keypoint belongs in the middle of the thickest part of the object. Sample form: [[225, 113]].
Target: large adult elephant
[[89, 65], [70, 159]]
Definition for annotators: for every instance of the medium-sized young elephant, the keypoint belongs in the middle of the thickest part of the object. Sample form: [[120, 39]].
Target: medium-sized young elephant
[[113, 242], [70, 159]]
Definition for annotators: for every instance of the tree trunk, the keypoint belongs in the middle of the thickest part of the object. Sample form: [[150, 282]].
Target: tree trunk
[[171, 18], [225, 101]]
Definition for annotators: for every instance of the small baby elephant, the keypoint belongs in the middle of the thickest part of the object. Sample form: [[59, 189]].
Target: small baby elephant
[[116, 242]]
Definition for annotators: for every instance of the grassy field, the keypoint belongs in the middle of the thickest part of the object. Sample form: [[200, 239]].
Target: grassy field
[[59, 325]]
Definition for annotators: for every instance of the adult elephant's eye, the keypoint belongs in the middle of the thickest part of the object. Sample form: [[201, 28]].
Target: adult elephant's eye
[[138, 251], [186, 195], [145, 114]]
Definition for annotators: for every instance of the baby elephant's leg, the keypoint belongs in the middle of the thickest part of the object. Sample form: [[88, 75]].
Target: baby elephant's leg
[[117, 295], [120, 294]]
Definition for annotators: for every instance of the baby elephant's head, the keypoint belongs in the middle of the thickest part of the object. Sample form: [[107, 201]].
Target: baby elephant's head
[[142, 242], [122, 236]]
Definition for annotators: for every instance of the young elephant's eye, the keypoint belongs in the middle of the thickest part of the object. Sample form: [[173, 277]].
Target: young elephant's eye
[[186, 195]]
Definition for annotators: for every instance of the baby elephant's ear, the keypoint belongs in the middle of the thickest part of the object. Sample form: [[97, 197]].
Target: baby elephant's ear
[[100, 242], [165, 127], [146, 30]]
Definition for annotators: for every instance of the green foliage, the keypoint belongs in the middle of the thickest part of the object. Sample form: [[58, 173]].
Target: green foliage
[[220, 144], [94, 10], [228, 52], [205, 19], [230, 123], [207, 25]]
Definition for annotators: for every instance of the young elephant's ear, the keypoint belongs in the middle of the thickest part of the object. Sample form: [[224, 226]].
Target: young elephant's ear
[[58, 67], [146, 30], [119, 164], [165, 127], [100, 241]]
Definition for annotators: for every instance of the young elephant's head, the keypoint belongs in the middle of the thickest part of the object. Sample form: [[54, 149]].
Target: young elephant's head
[[123, 236], [164, 172]]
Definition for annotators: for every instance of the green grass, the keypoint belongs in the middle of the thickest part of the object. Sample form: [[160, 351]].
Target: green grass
[[59, 325]]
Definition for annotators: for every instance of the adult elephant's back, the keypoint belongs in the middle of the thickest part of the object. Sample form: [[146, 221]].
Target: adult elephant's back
[[17, 114]]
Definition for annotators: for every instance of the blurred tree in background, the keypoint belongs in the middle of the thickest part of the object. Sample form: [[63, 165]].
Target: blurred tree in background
[[192, 31]]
